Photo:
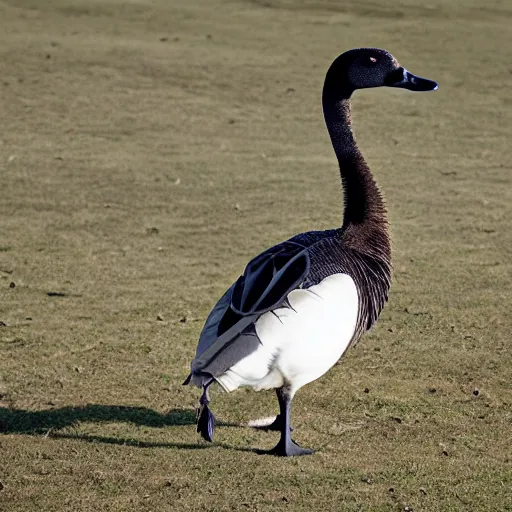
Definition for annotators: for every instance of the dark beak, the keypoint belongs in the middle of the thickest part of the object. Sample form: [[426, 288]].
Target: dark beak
[[405, 80]]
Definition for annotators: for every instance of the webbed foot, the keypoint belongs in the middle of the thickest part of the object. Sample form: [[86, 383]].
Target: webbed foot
[[205, 423], [287, 449], [205, 417]]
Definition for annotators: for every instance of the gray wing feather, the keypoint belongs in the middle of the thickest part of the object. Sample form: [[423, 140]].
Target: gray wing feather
[[210, 330]]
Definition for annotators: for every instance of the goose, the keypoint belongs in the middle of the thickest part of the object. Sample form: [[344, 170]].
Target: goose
[[301, 304]]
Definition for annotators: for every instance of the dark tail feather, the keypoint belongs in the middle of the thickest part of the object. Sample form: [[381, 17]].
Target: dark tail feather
[[205, 423], [187, 380]]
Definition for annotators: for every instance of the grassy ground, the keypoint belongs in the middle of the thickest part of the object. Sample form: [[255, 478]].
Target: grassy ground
[[148, 149]]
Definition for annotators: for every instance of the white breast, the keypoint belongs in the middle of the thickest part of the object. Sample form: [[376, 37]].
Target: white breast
[[299, 344]]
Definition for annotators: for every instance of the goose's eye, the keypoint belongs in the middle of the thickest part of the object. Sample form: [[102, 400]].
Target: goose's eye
[[373, 60]]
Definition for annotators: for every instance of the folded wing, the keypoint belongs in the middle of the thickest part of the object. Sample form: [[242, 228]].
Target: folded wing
[[228, 335]]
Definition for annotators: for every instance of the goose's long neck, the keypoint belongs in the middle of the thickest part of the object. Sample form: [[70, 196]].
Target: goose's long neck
[[364, 221]]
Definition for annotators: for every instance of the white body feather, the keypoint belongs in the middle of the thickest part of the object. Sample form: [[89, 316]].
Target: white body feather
[[299, 344]]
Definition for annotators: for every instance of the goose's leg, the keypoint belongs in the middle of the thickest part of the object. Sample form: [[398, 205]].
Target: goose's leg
[[286, 447], [275, 426], [205, 418]]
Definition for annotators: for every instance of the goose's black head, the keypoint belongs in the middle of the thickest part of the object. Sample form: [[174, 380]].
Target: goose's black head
[[363, 68]]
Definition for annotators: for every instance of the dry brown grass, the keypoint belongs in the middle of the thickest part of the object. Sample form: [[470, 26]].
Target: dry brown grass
[[148, 150]]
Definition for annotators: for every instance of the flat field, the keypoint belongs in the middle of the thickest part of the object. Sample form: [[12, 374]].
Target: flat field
[[148, 150]]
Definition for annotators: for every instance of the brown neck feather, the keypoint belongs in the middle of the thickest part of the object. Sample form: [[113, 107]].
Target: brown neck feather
[[364, 220]]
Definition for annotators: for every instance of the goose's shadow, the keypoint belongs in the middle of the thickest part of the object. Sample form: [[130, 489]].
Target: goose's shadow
[[50, 421]]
